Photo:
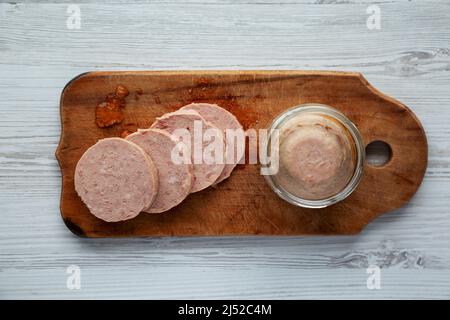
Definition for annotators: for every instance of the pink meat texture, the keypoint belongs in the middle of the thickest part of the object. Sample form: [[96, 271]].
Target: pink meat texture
[[116, 179], [224, 120], [204, 174], [175, 180]]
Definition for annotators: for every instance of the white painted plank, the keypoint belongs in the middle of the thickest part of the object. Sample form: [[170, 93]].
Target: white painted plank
[[215, 283]]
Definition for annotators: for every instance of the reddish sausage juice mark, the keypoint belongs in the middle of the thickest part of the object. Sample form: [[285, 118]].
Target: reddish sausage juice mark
[[109, 111]]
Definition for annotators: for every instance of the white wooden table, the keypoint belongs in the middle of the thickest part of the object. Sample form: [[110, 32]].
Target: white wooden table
[[408, 58]]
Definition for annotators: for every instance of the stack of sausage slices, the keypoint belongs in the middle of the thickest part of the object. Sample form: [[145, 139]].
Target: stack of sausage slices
[[119, 178]]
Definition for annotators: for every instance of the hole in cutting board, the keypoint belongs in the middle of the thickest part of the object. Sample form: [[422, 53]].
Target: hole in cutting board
[[378, 153]]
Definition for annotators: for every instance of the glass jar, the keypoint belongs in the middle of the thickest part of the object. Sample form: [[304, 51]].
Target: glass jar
[[320, 156]]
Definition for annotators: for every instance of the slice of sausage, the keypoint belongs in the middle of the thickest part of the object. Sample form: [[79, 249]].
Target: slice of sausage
[[175, 180], [205, 174], [116, 179], [222, 119]]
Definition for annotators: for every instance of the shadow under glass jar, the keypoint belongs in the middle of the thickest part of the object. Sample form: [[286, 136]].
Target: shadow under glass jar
[[319, 154]]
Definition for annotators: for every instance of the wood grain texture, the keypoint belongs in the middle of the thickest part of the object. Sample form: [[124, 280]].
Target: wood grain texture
[[243, 204], [407, 59]]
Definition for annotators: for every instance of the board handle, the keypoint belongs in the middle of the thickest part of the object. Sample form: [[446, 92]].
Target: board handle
[[395, 143]]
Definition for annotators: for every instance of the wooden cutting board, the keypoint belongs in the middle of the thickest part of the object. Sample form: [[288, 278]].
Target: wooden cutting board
[[243, 204]]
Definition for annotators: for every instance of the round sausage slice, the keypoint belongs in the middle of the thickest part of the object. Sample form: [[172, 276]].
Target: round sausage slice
[[116, 179], [205, 172], [175, 180], [224, 120]]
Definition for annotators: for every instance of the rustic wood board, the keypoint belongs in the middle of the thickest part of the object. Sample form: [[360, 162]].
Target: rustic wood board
[[244, 204]]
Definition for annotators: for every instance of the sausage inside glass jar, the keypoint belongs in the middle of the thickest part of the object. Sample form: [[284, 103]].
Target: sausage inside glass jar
[[320, 156]]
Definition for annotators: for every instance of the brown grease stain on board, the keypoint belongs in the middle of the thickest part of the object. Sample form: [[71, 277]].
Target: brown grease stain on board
[[125, 133], [137, 93], [109, 111], [206, 91]]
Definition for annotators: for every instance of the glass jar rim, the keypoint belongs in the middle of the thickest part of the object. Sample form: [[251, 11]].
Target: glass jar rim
[[359, 150]]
